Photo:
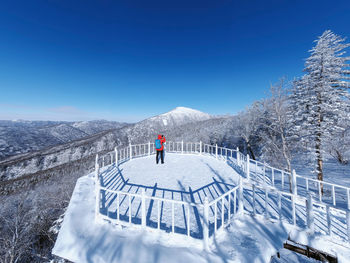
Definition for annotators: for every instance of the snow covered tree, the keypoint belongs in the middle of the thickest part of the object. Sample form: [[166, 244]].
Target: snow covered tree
[[276, 134], [320, 99], [248, 128]]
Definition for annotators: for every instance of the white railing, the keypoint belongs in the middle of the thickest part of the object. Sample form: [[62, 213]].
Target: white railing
[[259, 177]]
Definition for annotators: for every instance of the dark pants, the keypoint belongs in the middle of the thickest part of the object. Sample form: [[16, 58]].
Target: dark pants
[[161, 153]]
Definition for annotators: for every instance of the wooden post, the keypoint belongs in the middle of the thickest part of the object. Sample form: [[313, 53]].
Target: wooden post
[[279, 205], [266, 203], [310, 213], [206, 224], [238, 157], [293, 209], [116, 155], [97, 201], [348, 223], [319, 191], [248, 167], [254, 209], [240, 200], [143, 208], [333, 195], [97, 168], [216, 151], [294, 183], [329, 220], [97, 189]]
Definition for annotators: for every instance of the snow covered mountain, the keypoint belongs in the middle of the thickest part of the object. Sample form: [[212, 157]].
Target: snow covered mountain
[[179, 124], [165, 124], [22, 136], [179, 116]]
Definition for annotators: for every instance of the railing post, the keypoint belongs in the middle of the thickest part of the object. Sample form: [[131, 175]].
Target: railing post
[[348, 223], [130, 151], [116, 155], [319, 191], [254, 209], [240, 198], [182, 147], [200, 148], [310, 213], [97, 202], [248, 167], [97, 189], [216, 151], [329, 220], [294, 183], [238, 157], [266, 203], [149, 148], [206, 224], [293, 209], [97, 167], [143, 208], [279, 205], [333, 195]]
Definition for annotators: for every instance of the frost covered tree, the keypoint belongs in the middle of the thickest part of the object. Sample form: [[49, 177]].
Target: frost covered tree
[[276, 136], [320, 99], [248, 127]]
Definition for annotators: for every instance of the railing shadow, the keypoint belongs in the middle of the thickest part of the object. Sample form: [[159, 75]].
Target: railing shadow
[[113, 178]]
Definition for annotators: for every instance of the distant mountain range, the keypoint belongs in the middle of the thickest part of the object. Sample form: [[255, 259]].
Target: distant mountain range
[[22, 136], [50, 144]]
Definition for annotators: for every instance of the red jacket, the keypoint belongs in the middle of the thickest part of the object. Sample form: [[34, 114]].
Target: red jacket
[[162, 140]]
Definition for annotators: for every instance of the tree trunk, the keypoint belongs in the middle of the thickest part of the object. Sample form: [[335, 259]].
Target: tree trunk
[[250, 151], [319, 160]]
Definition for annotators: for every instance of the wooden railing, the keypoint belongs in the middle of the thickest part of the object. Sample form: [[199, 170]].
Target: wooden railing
[[258, 177]]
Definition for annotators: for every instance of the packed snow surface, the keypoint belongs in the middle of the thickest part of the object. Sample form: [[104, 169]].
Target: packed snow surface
[[178, 172]]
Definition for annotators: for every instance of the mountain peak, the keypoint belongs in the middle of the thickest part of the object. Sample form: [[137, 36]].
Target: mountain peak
[[186, 111], [180, 115]]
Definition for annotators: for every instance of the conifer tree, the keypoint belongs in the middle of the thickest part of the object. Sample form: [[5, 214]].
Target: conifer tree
[[320, 99]]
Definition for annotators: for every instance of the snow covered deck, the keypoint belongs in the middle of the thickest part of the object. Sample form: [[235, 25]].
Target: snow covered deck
[[169, 197], [248, 239], [184, 178]]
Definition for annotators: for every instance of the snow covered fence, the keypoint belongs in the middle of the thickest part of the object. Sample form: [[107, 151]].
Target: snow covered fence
[[264, 174], [257, 171], [269, 181], [306, 213]]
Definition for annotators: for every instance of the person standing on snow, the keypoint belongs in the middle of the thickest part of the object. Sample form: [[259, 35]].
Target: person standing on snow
[[160, 148]]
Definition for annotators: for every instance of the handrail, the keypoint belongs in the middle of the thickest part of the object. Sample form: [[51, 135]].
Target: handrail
[[226, 149], [128, 152]]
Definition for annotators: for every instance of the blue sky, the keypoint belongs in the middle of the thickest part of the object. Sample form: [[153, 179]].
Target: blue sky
[[128, 60]]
